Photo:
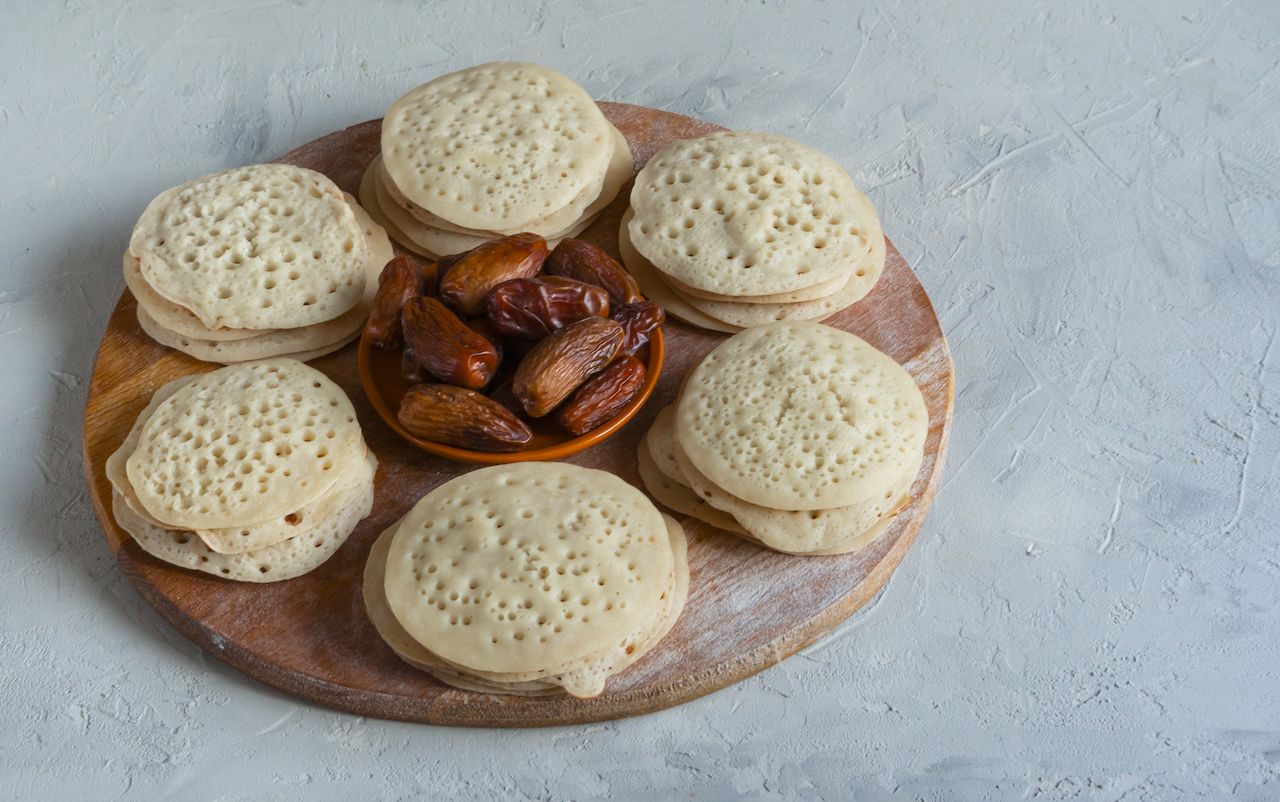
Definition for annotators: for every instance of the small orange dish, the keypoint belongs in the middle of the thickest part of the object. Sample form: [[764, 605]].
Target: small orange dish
[[385, 386]]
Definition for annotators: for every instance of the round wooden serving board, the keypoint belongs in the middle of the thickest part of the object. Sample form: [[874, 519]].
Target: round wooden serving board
[[748, 608]]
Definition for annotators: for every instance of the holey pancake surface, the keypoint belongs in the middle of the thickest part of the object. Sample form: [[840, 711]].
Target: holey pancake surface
[[800, 416], [353, 476], [242, 445], [528, 567], [181, 322], [497, 146], [267, 246], [556, 225], [746, 213]]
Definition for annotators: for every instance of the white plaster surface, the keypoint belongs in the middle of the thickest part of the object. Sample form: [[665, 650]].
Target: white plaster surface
[[1091, 193]]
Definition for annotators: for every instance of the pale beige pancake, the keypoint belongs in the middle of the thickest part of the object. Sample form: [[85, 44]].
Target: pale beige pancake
[[748, 213], [497, 146], [794, 296], [660, 472], [562, 223], [587, 679], [800, 416], [243, 444], [239, 539], [832, 531], [498, 551], [267, 246], [656, 290], [181, 322]]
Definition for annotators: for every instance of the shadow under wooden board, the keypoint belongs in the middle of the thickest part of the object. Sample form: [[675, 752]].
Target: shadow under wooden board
[[748, 608]]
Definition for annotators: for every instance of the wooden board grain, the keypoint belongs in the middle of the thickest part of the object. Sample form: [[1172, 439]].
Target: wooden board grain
[[748, 608]]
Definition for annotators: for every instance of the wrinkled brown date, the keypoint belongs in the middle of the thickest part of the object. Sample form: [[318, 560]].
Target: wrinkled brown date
[[558, 364], [638, 321], [602, 396], [460, 417], [465, 285], [400, 280], [585, 261], [446, 347], [532, 308]]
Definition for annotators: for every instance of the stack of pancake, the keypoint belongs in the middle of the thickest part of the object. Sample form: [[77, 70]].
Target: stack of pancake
[[496, 149], [739, 228], [255, 472], [260, 261], [528, 579], [795, 435]]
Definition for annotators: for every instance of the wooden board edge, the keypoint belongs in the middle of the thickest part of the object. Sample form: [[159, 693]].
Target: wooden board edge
[[98, 495]]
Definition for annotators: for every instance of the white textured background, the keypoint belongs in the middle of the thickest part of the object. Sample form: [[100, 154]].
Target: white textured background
[[1091, 193]]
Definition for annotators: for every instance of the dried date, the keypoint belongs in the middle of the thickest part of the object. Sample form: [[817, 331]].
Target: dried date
[[588, 262], [532, 308], [639, 321], [602, 396], [445, 346], [460, 417], [442, 266], [557, 365], [465, 285], [400, 281]]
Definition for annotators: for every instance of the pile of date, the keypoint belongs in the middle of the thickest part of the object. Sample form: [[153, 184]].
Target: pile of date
[[570, 320]]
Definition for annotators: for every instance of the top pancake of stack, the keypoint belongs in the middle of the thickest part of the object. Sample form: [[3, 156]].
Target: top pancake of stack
[[544, 573], [743, 228], [259, 261], [209, 244], [798, 436], [243, 445], [493, 150], [800, 416]]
